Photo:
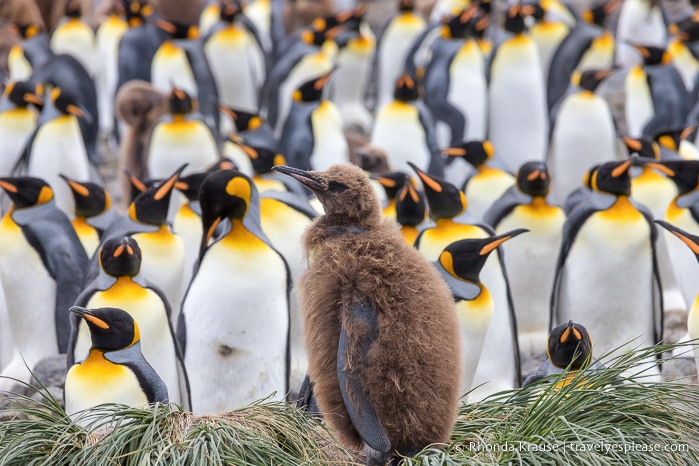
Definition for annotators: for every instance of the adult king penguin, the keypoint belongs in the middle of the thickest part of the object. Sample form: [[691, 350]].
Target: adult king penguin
[[73, 36], [364, 289], [312, 136], [460, 264], [517, 116], [234, 326], [115, 370], [17, 121], [531, 264], [120, 285], [42, 269], [607, 273], [500, 363], [583, 133]]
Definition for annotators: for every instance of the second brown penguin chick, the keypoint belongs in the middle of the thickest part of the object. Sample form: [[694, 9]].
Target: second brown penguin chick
[[380, 325]]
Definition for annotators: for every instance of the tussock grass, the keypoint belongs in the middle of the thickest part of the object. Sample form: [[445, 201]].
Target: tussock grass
[[601, 417]]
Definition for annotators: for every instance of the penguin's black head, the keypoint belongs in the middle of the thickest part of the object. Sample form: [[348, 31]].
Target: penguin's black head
[[692, 241], [589, 80], [391, 182], [475, 153], [672, 138], [111, 329], [73, 9], [613, 178], [406, 89], [138, 185], [443, 198], [569, 345], [229, 10], [90, 198], [685, 173], [406, 5], [243, 121], [533, 179], [344, 191], [180, 102], [120, 257], [224, 194], [515, 17], [191, 184], [589, 175], [599, 14], [26, 191], [687, 29], [311, 90], [223, 164], [460, 25], [653, 55], [263, 159], [67, 103], [351, 20], [23, 93], [27, 30], [151, 206], [465, 258], [410, 205], [645, 147], [178, 30], [136, 12]]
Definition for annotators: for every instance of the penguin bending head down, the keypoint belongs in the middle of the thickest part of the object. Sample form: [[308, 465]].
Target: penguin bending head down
[[365, 294]]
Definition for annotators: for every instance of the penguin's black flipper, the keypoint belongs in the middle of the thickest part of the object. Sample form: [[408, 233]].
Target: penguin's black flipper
[[363, 322], [50, 232], [306, 398], [546, 368], [671, 100], [132, 357]]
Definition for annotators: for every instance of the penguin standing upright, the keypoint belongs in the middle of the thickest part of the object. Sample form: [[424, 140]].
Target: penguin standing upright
[[75, 37], [588, 45], [364, 289], [583, 133], [607, 273], [692, 242], [17, 122], [186, 222], [181, 137], [486, 183], [532, 263], [57, 147], [120, 285], [411, 211], [639, 22], [236, 59], [456, 90], [42, 270], [91, 201], [404, 129], [548, 31], [517, 117], [499, 366], [115, 371], [392, 48], [234, 326], [460, 265], [656, 98], [312, 136]]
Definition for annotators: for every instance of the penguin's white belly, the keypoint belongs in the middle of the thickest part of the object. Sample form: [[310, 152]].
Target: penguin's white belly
[[170, 67], [57, 148], [16, 126], [236, 334], [638, 24], [107, 40], [482, 191], [531, 265], [607, 284], [7, 344], [397, 130], [684, 61], [349, 84], [18, 65], [87, 387], [583, 136], [162, 264], [187, 225], [238, 74], [474, 319], [468, 89], [157, 344], [260, 13], [30, 296], [638, 107], [518, 120], [77, 39], [393, 48], [329, 142], [683, 261], [693, 328], [548, 36], [599, 56], [173, 144]]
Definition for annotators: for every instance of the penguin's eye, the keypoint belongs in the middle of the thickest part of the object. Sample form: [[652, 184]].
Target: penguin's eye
[[336, 187]]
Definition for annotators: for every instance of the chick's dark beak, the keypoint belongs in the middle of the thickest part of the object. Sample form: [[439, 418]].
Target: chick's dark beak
[[306, 178]]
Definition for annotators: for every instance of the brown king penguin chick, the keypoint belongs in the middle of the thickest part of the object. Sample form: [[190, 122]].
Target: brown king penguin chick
[[380, 327]]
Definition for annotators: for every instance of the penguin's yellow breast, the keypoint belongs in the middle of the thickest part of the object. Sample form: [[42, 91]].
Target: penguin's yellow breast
[[124, 290], [162, 240], [243, 241], [622, 211], [18, 119], [398, 110], [409, 20], [539, 209], [8, 227], [477, 313]]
